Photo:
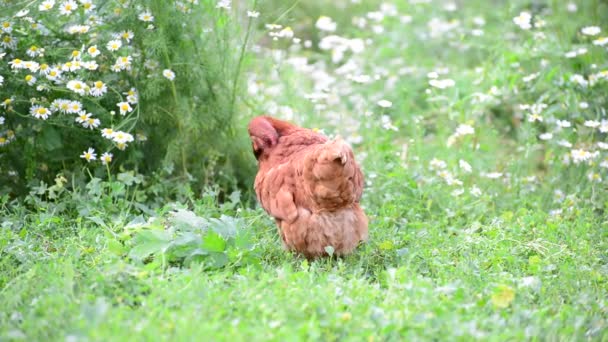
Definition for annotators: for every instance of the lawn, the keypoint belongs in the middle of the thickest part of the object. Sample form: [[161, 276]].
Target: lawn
[[481, 129]]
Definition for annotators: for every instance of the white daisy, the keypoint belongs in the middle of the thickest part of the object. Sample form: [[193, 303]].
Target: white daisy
[[93, 51], [98, 89], [78, 87], [106, 158], [40, 112], [89, 155], [67, 7], [114, 45], [46, 5], [124, 107], [170, 75], [591, 30], [146, 16]]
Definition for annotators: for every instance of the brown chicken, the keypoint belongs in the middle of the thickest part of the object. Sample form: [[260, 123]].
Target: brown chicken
[[310, 185]]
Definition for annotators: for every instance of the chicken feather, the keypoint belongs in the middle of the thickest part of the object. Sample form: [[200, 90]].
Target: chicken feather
[[311, 186]]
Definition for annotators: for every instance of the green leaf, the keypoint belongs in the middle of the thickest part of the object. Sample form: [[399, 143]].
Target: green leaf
[[50, 139], [149, 242], [213, 242], [187, 220]]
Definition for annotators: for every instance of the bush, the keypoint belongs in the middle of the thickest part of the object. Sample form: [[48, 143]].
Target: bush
[[132, 84]]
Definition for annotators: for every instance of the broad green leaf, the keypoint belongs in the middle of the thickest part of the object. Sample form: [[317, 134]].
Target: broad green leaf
[[213, 242]]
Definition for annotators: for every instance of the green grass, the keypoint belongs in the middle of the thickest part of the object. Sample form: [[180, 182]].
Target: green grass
[[517, 261]]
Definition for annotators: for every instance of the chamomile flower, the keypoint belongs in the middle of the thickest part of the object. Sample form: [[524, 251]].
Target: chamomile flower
[[87, 5], [16, 64], [146, 16], [2, 119], [31, 65], [98, 89], [591, 30], [6, 103], [580, 155], [91, 123], [442, 84], [89, 155], [225, 4], [74, 107], [523, 20], [78, 87], [1, 80], [592, 123], [326, 24], [83, 117], [132, 96], [34, 51], [8, 42], [604, 126], [53, 74], [169, 74], [93, 51], [126, 35], [114, 45], [124, 62], [40, 112], [535, 117], [67, 7], [30, 80], [44, 69], [546, 136], [107, 133], [601, 41], [121, 137], [90, 65], [253, 14], [60, 105], [106, 158], [385, 103], [6, 27], [46, 5], [124, 107], [466, 167], [78, 29]]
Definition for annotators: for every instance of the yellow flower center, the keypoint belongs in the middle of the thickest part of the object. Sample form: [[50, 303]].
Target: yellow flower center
[[53, 73], [41, 111], [75, 53], [7, 39], [87, 5], [124, 107], [29, 77], [2, 140], [68, 7], [6, 24]]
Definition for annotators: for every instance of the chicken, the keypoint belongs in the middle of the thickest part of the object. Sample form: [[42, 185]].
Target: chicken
[[310, 185]]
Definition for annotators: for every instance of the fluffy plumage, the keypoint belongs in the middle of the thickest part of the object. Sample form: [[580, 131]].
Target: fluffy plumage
[[310, 185]]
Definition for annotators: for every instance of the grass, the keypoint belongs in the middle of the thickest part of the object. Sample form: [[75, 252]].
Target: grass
[[120, 260]]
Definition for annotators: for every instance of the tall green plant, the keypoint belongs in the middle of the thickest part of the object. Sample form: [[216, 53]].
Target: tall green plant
[[134, 84]]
